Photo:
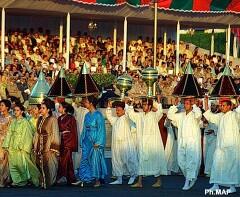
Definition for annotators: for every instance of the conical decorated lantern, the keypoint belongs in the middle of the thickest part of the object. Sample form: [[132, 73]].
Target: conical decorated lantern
[[225, 86], [124, 83], [150, 76], [40, 90], [188, 85], [86, 85], [60, 87]]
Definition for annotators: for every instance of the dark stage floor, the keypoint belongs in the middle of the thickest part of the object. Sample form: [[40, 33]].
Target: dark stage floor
[[171, 187]]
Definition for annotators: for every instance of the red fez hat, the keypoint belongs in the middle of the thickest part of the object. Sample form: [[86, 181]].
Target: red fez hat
[[60, 99], [224, 99]]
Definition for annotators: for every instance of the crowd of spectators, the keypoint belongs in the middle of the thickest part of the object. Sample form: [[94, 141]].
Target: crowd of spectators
[[27, 52]]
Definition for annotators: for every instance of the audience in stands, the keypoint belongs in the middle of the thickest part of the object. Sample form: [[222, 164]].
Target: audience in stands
[[29, 52]]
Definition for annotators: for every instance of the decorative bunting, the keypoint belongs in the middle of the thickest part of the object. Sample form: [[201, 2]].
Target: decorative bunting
[[219, 5], [198, 5], [179, 5], [234, 6], [182, 5], [164, 3]]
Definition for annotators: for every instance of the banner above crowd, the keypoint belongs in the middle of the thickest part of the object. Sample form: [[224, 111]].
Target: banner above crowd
[[232, 6], [190, 13]]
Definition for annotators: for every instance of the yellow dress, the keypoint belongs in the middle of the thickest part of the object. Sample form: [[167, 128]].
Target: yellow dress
[[19, 142]]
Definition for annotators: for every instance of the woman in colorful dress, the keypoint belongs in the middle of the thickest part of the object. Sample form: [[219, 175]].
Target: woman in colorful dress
[[18, 143], [69, 142], [5, 119], [93, 139], [46, 145]]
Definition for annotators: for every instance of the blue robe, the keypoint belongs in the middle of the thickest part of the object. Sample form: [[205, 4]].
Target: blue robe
[[93, 165]]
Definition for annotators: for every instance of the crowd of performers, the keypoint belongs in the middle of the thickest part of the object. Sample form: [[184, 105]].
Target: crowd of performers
[[46, 147]]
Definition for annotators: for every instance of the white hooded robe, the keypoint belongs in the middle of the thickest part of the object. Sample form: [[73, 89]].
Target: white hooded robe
[[124, 154], [189, 140], [152, 160], [225, 168]]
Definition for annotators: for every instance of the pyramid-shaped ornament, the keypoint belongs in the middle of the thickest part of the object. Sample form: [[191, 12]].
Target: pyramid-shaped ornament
[[86, 85], [39, 90], [225, 86], [188, 85], [60, 87]]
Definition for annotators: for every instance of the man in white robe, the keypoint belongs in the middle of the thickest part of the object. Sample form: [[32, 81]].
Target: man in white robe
[[79, 113], [124, 155], [189, 140], [171, 147], [150, 148], [225, 167]]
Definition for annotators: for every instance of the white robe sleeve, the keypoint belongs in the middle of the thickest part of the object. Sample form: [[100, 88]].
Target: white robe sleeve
[[238, 112], [197, 112], [75, 108], [79, 111], [173, 115], [211, 117], [110, 117], [159, 112], [134, 116]]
